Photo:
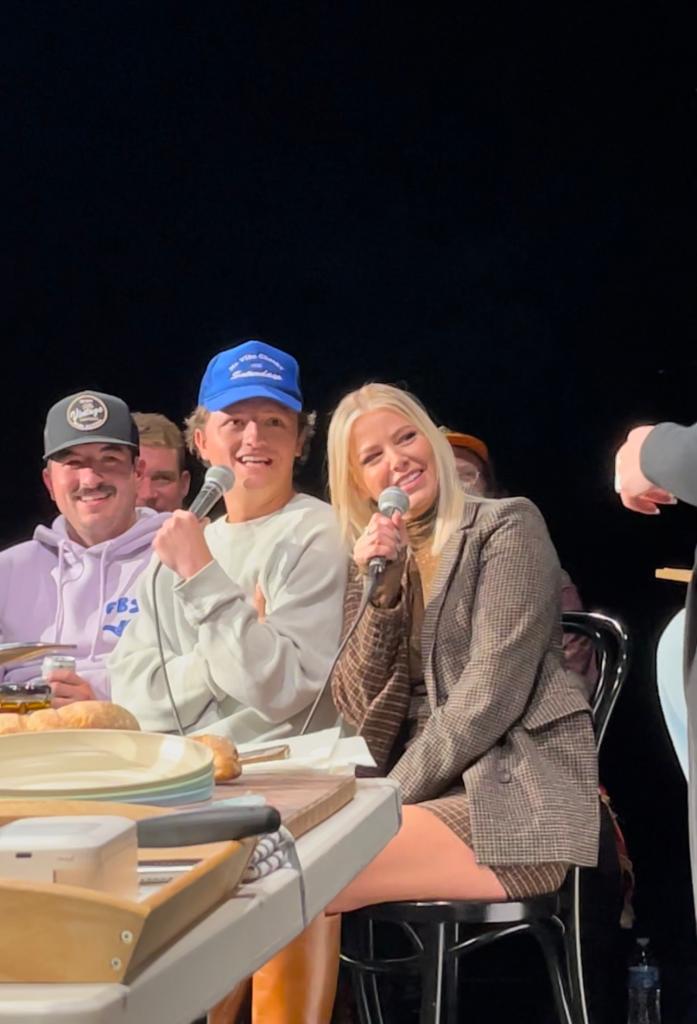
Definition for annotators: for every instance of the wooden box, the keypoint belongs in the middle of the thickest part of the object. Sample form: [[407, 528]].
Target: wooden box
[[62, 933]]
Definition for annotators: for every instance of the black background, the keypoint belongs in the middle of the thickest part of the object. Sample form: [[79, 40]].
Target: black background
[[493, 204]]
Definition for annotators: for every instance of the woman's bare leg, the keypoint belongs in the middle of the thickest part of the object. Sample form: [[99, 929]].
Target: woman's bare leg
[[424, 861]]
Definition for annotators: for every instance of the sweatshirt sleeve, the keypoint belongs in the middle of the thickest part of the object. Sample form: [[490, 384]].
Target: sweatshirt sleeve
[[216, 647], [669, 460]]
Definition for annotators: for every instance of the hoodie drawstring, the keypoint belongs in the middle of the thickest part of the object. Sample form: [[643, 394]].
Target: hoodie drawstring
[[102, 596], [60, 611]]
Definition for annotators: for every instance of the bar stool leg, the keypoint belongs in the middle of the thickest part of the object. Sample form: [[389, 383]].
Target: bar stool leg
[[550, 944], [452, 975], [432, 974]]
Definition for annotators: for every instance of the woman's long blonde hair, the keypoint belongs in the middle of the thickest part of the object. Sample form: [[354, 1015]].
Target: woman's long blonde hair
[[353, 510]]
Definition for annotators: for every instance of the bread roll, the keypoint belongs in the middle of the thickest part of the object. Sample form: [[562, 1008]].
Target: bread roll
[[47, 718], [226, 760], [11, 722], [95, 714], [83, 714]]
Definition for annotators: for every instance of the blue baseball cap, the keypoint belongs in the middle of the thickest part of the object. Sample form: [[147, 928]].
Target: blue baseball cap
[[251, 370]]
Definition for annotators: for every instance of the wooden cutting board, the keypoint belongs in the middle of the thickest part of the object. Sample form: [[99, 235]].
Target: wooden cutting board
[[304, 798]]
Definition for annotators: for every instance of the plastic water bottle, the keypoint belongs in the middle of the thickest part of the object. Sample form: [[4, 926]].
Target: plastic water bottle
[[644, 983]]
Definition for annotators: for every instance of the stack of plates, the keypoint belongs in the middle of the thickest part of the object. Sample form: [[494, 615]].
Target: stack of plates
[[103, 764]]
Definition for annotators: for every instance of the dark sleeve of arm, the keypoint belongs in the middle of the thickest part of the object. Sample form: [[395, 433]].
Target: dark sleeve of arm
[[370, 684], [669, 460]]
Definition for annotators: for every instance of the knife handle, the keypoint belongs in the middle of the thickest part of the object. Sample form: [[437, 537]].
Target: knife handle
[[212, 825]]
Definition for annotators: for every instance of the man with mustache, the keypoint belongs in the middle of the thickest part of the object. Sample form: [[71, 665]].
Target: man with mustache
[[74, 582]]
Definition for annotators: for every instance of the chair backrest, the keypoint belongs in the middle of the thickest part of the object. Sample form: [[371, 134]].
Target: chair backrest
[[612, 645]]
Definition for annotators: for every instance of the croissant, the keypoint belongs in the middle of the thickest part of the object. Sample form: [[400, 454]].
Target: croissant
[[226, 760]]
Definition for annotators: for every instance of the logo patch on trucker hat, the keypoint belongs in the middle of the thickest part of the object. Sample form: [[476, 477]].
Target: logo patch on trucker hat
[[87, 412]]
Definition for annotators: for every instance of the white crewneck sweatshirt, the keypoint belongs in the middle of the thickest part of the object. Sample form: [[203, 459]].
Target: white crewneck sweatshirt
[[222, 661]]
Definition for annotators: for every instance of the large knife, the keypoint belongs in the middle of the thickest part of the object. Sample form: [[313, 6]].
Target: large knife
[[210, 825]]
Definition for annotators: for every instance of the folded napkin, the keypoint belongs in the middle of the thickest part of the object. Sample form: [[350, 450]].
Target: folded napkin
[[270, 853], [273, 851], [324, 751]]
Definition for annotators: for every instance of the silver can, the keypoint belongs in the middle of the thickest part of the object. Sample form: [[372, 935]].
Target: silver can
[[52, 662]]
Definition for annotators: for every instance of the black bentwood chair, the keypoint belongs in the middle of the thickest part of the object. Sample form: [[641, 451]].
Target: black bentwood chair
[[439, 933]]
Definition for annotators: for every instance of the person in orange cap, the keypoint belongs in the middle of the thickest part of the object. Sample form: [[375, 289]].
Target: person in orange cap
[[474, 466], [477, 476]]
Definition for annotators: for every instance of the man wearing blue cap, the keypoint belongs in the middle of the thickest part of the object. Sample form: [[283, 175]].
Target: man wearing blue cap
[[250, 609], [250, 606]]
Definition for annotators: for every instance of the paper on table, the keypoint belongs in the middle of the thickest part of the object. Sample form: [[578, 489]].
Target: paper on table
[[300, 746], [325, 751]]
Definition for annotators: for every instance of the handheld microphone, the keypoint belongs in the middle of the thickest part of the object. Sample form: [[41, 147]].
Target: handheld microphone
[[391, 500], [217, 481]]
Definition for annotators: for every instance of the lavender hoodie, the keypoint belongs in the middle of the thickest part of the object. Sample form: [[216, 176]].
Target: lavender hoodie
[[54, 589]]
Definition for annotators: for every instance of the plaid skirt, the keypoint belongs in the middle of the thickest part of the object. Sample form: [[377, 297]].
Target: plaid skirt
[[521, 881]]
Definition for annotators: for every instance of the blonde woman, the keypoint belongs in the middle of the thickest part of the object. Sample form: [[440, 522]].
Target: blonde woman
[[455, 674], [455, 678]]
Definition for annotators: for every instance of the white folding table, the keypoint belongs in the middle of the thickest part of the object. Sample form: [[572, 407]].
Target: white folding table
[[235, 939]]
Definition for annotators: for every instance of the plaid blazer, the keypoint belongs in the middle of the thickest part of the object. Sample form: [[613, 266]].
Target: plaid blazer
[[506, 717]]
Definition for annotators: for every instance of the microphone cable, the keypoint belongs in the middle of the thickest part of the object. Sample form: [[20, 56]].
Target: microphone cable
[[368, 591], [217, 481], [161, 650], [391, 500], [371, 582]]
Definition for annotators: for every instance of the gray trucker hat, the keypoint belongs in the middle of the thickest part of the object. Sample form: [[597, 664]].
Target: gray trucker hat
[[88, 417]]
